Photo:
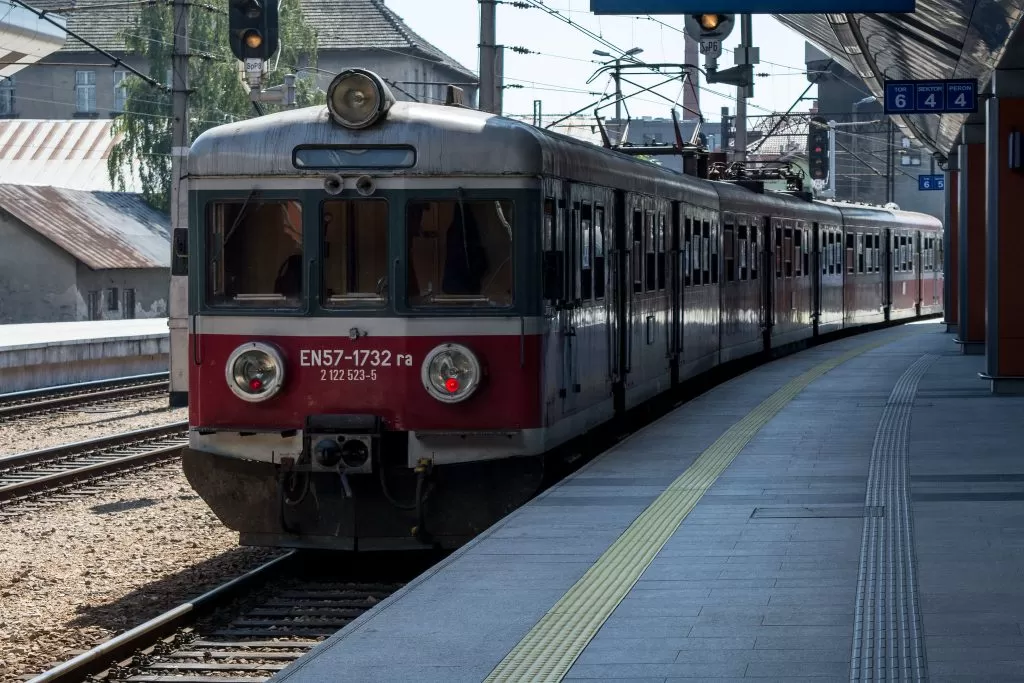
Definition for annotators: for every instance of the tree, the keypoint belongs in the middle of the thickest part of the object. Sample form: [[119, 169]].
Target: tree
[[217, 94]]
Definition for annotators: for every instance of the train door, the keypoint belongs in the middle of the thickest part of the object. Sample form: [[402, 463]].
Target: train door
[[918, 272], [570, 310], [887, 266], [815, 274], [675, 262], [618, 299], [767, 251]]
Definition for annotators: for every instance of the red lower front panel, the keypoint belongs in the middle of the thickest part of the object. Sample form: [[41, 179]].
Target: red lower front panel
[[373, 376]]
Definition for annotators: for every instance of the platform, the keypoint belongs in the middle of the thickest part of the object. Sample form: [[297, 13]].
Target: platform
[[852, 512], [50, 354]]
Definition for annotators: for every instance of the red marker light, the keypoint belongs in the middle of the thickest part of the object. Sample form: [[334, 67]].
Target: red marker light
[[451, 384], [255, 384]]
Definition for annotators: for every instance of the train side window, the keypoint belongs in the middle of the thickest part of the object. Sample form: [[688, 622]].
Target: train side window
[[586, 253], [728, 234], [599, 253], [650, 255], [754, 256], [254, 253], [850, 262], [787, 253], [778, 253], [803, 254], [742, 243], [553, 282], [826, 261], [860, 253], [878, 252], [798, 248], [710, 255], [638, 237], [662, 236], [688, 252]]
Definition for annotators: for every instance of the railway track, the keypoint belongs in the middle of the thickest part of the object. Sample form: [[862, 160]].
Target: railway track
[[39, 401], [50, 470], [248, 629]]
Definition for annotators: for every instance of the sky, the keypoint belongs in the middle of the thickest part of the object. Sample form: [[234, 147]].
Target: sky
[[558, 76]]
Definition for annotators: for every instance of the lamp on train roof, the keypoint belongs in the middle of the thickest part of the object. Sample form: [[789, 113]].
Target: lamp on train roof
[[358, 98]]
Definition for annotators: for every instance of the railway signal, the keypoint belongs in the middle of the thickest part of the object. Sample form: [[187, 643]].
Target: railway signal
[[818, 149], [252, 29], [709, 30]]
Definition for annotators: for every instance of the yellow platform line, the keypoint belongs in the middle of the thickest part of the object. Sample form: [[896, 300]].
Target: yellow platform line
[[554, 643]]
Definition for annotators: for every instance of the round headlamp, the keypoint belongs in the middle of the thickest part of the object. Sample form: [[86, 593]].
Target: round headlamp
[[357, 98], [450, 373], [255, 372]]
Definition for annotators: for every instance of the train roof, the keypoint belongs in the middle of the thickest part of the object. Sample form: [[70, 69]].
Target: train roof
[[449, 141], [455, 141]]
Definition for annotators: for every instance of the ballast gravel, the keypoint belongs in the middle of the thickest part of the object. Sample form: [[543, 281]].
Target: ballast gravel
[[89, 422], [79, 572]]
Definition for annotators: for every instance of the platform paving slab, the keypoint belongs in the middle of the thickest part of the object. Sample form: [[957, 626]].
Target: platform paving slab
[[761, 578]]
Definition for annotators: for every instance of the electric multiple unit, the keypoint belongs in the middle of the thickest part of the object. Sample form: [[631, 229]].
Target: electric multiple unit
[[397, 309]]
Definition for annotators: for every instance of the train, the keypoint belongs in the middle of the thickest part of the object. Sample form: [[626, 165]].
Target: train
[[398, 310]]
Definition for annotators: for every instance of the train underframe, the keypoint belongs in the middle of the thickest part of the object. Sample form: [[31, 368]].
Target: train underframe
[[390, 507]]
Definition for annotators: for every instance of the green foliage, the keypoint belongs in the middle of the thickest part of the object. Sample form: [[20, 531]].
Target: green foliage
[[217, 94], [648, 158]]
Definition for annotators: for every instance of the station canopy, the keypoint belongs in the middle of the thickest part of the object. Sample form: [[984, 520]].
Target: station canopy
[[25, 38], [942, 39]]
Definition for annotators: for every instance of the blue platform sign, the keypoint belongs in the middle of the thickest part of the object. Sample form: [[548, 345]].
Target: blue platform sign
[[931, 97], [931, 182], [750, 6]]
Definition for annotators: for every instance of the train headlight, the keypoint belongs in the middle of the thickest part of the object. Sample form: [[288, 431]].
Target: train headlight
[[255, 372], [357, 98], [451, 373]]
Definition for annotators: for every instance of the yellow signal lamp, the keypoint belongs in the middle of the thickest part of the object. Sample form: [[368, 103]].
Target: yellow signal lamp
[[709, 22], [253, 39]]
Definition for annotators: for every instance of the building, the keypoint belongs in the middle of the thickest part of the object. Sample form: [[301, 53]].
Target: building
[[72, 255], [875, 163], [70, 154], [76, 82], [25, 38]]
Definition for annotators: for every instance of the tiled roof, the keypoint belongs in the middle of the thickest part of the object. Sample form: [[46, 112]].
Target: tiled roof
[[71, 154], [340, 25], [103, 230]]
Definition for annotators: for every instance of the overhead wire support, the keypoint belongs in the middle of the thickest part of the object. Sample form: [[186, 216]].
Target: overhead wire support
[[115, 61]]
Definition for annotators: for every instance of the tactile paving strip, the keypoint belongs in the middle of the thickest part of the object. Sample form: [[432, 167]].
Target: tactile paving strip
[[888, 642], [548, 651]]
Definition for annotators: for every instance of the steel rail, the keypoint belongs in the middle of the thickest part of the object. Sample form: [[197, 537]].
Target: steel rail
[[120, 647], [66, 451], [80, 386], [52, 398]]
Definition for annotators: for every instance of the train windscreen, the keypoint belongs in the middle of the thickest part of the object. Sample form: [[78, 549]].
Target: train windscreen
[[460, 253], [354, 243], [254, 253]]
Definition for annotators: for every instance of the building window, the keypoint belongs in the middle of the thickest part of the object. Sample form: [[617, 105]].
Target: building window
[[120, 91], [94, 305], [7, 96], [85, 91], [129, 303], [112, 299]]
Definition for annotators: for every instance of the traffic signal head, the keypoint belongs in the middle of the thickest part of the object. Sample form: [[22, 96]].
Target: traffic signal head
[[818, 149], [252, 28], [714, 26]]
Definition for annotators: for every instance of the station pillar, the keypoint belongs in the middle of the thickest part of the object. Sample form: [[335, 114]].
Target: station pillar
[[951, 244], [971, 238], [1004, 329]]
